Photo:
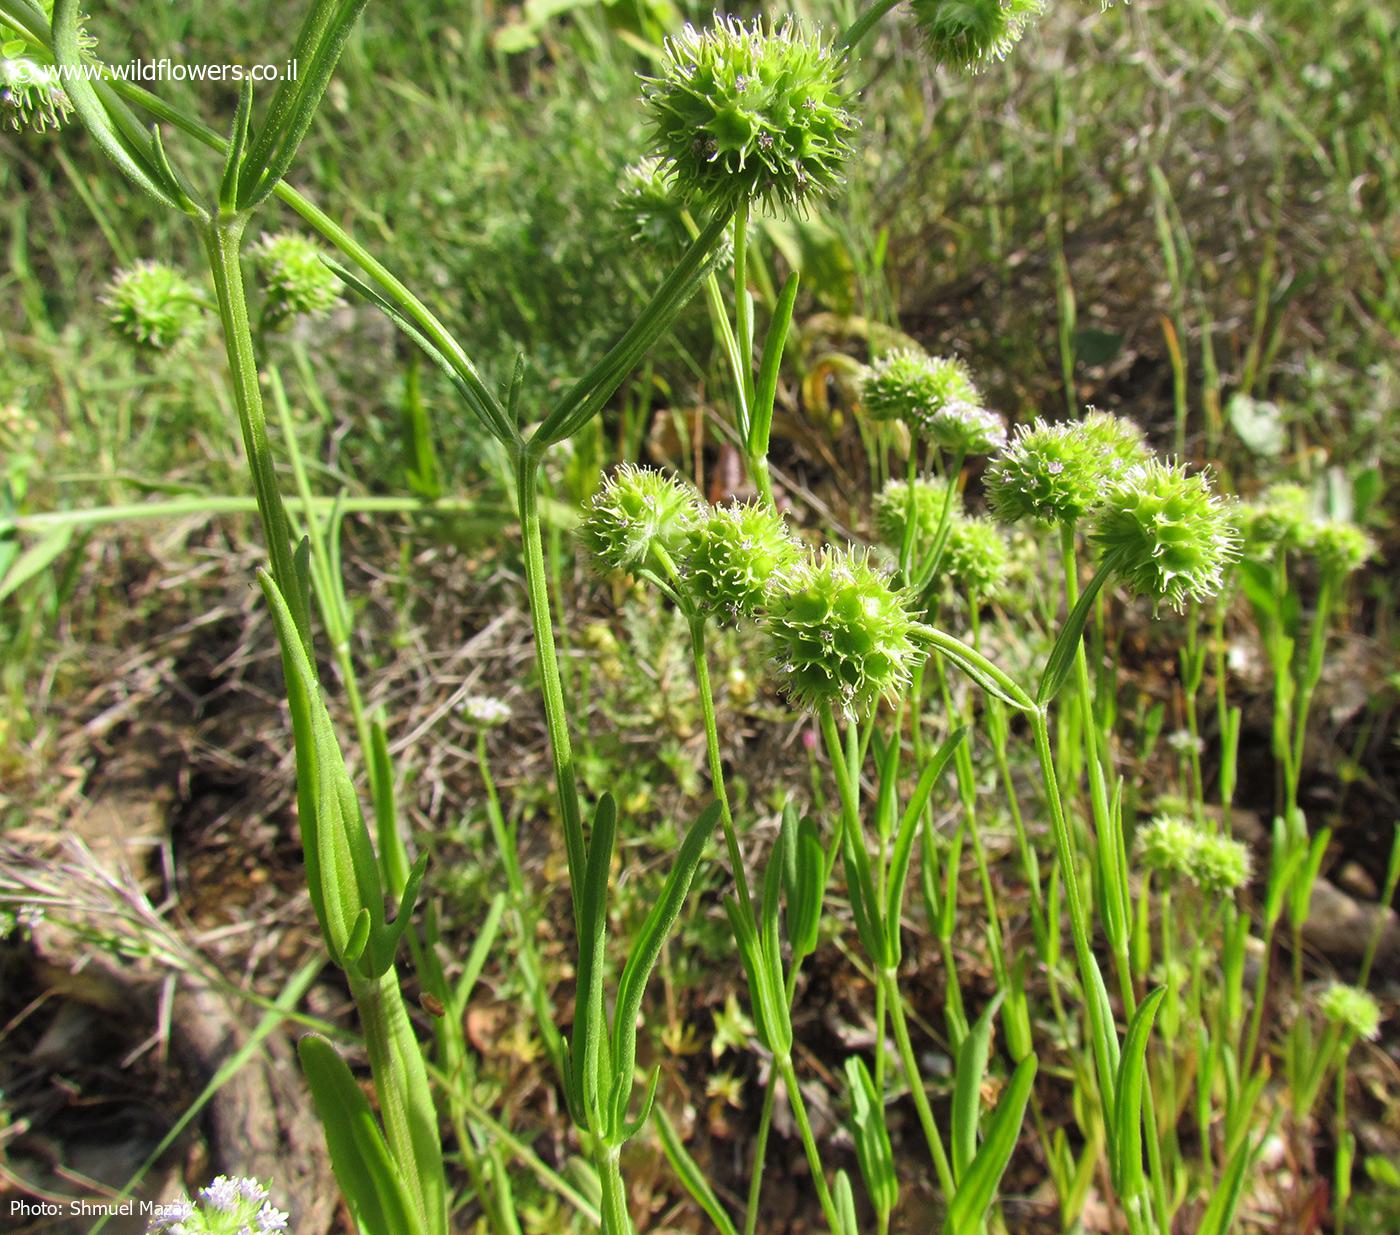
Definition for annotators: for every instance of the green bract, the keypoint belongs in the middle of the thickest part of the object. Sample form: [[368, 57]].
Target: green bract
[[1339, 547], [1051, 473], [635, 512], [751, 111], [295, 278], [1218, 864], [733, 553], [975, 558], [912, 386], [967, 428], [1174, 534], [154, 306], [969, 33], [892, 511], [1354, 1009], [842, 635]]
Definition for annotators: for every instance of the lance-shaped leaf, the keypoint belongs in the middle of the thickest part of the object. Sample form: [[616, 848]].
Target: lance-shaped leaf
[[1125, 1149], [979, 1184], [967, 1088], [1067, 643], [872, 1138], [590, 1044]]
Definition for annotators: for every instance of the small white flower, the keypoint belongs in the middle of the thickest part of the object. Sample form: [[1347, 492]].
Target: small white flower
[[486, 711]]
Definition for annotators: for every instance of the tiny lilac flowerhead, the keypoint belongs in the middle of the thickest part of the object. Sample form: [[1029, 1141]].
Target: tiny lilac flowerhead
[[649, 206], [969, 34], [486, 711], [732, 553], [1120, 442], [842, 636], [908, 384], [636, 513], [751, 111], [1174, 536], [154, 306], [226, 1206]]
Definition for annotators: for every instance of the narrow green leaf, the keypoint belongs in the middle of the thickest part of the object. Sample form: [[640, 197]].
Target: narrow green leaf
[[689, 1173], [1067, 643], [769, 367], [1125, 1151], [589, 1022], [35, 559], [979, 1185], [967, 1088]]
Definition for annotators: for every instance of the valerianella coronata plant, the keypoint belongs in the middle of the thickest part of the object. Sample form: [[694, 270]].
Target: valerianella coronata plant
[[226, 1207], [751, 111], [975, 557], [970, 33], [910, 385], [893, 509], [636, 512], [842, 636], [1354, 1009], [296, 281], [154, 306], [1051, 473], [1339, 547], [1174, 535], [1165, 845], [964, 428], [732, 554], [1218, 864]]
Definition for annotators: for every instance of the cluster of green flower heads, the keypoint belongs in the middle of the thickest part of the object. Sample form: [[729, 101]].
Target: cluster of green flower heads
[[1285, 520], [972, 33], [228, 1206], [296, 280], [733, 553], [1173, 535], [751, 111], [1176, 848], [842, 636], [637, 516], [1354, 1009], [154, 306], [910, 385]]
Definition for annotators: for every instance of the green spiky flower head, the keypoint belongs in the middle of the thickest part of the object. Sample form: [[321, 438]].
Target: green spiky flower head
[[636, 511], [1051, 473], [1166, 845], [154, 306], [1280, 519], [967, 428], [1354, 1009], [893, 509], [969, 34], [649, 205], [751, 111], [732, 554], [1121, 442], [1219, 864], [1339, 547], [1174, 535], [842, 636], [297, 282], [909, 385], [976, 556]]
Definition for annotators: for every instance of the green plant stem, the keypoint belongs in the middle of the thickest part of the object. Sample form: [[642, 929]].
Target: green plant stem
[[547, 663], [765, 1124], [616, 1220], [910, 1061], [809, 1143], [866, 22]]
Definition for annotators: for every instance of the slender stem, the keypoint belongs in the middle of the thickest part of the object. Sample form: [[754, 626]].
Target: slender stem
[[809, 1143], [916, 1088], [863, 24], [547, 660], [616, 1220], [765, 1123]]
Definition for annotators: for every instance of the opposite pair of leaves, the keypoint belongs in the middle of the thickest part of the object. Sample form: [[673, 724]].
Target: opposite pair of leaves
[[602, 1064]]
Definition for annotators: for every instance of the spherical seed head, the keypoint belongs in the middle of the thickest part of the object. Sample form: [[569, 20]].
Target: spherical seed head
[[1354, 1009], [153, 306], [970, 34], [1166, 845], [1049, 473], [31, 96], [296, 281], [976, 556], [967, 428], [1339, 547], [733, 553], [1281, 518], [1176, 535], [892, 512], [1120, 441], [634, 512], [910, 385], [751, 112], [1219, 865], [842, 636]]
